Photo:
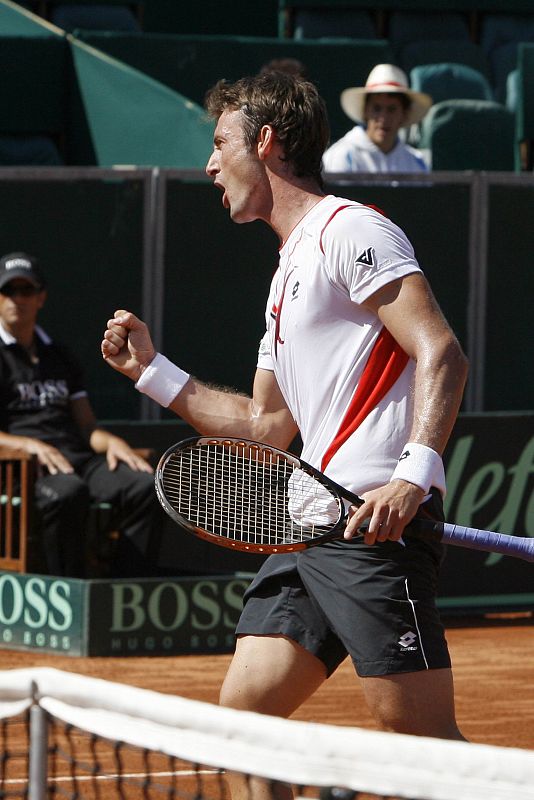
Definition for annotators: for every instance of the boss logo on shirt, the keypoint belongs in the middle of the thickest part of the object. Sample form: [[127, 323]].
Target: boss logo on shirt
[[38, 394]]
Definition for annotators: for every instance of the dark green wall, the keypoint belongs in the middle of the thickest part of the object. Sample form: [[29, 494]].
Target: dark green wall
[[217, 276], [238, 17], [88, 236], [509, 379]]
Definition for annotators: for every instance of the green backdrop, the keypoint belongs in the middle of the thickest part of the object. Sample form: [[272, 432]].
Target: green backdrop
[[88, 237]]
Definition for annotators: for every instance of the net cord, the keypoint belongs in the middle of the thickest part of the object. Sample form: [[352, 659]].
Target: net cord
[[295, 752]]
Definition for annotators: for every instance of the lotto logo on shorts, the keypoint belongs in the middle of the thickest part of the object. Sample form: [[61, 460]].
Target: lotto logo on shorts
[[406, 641]]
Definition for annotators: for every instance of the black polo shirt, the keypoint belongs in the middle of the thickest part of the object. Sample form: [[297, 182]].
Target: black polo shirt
[[36, 394]]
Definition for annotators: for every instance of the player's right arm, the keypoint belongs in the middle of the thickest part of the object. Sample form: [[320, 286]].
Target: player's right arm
[[128, 348]]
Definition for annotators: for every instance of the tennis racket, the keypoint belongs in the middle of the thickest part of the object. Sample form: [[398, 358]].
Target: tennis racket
[[249, 496]]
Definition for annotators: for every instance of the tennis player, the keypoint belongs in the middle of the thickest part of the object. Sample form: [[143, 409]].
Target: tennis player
[[359, 359]]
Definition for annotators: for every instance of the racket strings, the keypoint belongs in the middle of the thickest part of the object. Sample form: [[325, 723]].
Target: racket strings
[[247, 494]]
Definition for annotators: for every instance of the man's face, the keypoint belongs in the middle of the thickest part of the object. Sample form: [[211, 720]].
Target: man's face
[[236, 169], [384, 115], [20, 302]]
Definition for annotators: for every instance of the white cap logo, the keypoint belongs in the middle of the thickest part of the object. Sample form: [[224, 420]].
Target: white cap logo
[[18, 262]]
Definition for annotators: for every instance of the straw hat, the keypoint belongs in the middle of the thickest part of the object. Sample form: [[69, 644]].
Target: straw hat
[[384, 78]]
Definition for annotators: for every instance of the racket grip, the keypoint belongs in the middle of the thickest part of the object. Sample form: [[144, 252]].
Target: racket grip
[[477, 539]]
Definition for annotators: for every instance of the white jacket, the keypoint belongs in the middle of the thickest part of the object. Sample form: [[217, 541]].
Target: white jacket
[[355, 152]]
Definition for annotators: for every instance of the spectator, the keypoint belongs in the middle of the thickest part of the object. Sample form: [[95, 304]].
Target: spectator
[[292, 66], [45, 411], [384, 105]]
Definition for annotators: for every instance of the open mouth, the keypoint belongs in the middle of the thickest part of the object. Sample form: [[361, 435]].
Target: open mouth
[[224, 199]]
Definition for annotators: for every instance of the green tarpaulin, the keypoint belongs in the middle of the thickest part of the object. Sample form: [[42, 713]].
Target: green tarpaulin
[[136, 120], [132, 118], [17, 21]]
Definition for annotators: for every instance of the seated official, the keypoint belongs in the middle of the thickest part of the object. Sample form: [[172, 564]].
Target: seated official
[[383, 106], [45, 411]]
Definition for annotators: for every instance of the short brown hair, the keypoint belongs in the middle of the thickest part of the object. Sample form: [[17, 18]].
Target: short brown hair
[[290, 104]]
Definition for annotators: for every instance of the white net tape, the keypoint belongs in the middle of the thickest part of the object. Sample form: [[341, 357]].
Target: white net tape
[[294, 752]]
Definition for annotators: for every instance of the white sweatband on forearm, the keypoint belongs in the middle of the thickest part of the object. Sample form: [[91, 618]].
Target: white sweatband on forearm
[[162, 380], [421, 465]]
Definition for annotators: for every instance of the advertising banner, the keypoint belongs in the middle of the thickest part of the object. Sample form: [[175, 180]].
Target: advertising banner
[[38, 612], [490, 485], [172, 616]]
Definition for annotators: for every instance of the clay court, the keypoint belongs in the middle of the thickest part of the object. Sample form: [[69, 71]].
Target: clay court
[[493, 663]]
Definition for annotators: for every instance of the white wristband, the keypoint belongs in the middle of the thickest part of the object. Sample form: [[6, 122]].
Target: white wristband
[[421, 465], [162, 380]]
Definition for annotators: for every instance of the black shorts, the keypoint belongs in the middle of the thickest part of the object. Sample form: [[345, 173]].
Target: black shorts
[[375, 603]]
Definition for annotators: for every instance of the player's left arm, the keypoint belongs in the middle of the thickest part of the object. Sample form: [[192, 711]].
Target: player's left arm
[[102, 441], [409, 310]]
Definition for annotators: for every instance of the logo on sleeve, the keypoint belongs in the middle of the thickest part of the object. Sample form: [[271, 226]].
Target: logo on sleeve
[[367, 257]]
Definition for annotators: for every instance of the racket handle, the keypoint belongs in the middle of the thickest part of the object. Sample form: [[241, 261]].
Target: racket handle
[[476, 539]]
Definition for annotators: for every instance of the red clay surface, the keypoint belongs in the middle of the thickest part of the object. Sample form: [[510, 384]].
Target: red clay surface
[[493, 667]]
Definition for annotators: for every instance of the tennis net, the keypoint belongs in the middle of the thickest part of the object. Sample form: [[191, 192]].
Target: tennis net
[[69, 735]]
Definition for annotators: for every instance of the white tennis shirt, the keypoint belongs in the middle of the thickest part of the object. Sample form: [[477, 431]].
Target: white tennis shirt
[[346, 381]]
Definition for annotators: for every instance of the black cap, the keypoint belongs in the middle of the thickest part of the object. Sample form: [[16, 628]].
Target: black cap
[[21, 265]]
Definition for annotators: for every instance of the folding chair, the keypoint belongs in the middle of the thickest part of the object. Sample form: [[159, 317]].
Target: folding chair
[[17, 471], [18, 539]]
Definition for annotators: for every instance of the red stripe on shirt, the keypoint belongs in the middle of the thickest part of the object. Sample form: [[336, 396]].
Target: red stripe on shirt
[[328, 221], [340, 208], [384, 366]]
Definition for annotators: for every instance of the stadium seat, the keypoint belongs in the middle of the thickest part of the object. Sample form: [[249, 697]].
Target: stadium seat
[[525, 107], [406, 27], [449, 81], [500, 35], [440, 51], [499, 29], [503, 61], [94, 17], [28, 150], [469, 135], [512, 90], [33, 99], [316, 23]]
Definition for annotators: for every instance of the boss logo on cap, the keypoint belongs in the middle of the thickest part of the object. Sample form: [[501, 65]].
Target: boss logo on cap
[[18, 262]]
